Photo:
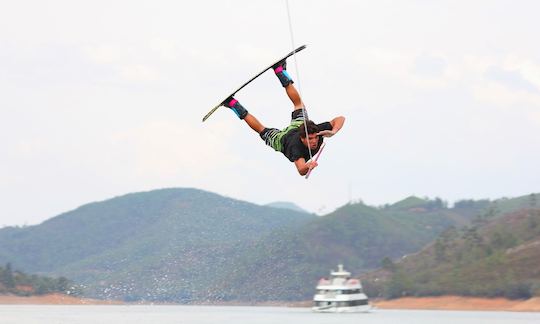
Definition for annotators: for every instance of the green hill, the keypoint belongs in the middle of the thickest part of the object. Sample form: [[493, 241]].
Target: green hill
[[356, 234], [497, 257], [164, 243], [188, 245], [288, 263]]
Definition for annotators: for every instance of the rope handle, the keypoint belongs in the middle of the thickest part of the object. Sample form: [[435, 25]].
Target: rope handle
[[316, 158]]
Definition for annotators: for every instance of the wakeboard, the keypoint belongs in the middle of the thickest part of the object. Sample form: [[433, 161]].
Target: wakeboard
[[250, 80]]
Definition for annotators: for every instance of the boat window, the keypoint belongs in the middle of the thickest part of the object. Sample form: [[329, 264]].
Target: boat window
[[359, 302], [342, 303]]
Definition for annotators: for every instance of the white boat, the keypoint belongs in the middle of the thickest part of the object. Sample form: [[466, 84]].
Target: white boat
[[340, 294]]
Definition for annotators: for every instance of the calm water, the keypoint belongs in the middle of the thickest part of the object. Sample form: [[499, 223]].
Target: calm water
[[20, 314]]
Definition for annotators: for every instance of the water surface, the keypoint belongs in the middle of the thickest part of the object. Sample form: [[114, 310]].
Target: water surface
[[115, 314]]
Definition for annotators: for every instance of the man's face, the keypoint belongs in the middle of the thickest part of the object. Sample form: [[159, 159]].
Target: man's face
[[313, 140]]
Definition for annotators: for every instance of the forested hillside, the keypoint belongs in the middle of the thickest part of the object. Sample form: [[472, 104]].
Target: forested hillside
[[188, 245], [493, 257]]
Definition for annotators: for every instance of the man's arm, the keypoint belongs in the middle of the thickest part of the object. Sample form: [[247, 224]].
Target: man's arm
[[303, 167], [336, 123]]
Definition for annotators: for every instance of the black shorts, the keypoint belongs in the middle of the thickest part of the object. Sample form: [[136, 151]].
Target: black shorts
[[272, 136]]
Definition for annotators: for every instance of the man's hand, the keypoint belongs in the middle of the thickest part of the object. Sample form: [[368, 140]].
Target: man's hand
[[326, 133], [312, 165], [336, 123], [303, 167]]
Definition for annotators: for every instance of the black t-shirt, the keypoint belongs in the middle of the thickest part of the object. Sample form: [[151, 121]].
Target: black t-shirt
[[293, 148]]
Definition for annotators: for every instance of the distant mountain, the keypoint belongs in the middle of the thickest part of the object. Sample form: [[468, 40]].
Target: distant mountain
[[164, 243], [289, 263], [188, 245], [287, 205], [494, 257]]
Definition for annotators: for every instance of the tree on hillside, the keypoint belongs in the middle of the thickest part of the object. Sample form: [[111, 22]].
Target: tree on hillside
[[533, 218], [440, 250], [63, 284], [437, 203], [7, 278], [465, 203], [471, 203], [503, 239], [387, 264], [12, 281], [532, 200], [400, 285]]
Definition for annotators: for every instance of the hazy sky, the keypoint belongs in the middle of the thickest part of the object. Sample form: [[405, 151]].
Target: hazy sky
[[103, 98]]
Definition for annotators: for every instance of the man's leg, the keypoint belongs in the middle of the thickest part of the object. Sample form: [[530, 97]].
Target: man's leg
[[286, 81], [294, 96], [242, 113], [254, 123]]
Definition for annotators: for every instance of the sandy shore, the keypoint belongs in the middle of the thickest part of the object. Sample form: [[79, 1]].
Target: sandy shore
[[461, 303], [52, 299], [432, 303]]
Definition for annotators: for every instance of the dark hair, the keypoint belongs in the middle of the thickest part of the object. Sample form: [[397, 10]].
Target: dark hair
[[312, 128]]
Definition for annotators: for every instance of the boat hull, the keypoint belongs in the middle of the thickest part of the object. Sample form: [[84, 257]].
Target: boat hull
[[343, 309]]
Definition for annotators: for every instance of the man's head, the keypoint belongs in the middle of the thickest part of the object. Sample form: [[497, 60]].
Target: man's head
[[311, 136]]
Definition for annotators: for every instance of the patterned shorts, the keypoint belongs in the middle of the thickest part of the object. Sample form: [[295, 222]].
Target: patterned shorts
[[272, 136]]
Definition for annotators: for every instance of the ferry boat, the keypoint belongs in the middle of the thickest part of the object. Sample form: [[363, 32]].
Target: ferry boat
[[340, 294]]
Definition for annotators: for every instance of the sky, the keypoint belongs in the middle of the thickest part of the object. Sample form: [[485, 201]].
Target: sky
[[104, 98]]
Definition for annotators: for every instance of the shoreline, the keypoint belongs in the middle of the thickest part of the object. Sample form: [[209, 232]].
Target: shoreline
[[54, 299], [460, 303], [457, 303]]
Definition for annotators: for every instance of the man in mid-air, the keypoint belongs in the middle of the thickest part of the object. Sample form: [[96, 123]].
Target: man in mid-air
[[292, 141]]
